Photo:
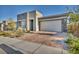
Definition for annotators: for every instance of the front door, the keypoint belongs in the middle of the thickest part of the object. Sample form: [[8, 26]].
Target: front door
[[31, 25]]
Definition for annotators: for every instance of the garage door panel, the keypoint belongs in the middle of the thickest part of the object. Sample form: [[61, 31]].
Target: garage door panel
[[50, 26]]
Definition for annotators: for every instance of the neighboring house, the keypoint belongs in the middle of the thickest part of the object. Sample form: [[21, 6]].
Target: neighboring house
[[4, 25], [35, 21], [1, 26]]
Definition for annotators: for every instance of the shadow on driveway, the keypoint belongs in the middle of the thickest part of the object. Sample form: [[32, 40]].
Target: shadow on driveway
[[9, 50]]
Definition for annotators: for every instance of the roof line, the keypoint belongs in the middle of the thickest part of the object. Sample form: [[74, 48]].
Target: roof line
[[57, 15], [29, 11]]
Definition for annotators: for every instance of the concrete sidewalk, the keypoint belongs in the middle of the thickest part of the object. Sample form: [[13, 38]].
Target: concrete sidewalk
[[29, 47]]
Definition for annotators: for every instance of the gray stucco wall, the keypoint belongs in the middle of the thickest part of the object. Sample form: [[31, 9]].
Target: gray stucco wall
[[33, 15]]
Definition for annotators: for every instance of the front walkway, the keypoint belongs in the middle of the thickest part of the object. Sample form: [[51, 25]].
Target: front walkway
[[28, 47]]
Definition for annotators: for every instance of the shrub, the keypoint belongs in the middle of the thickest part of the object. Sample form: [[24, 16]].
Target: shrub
[[8, 34], [4, 33], [12, 34], [28, 31], [11, 25], [73, 44], [69, 28], [19, 29], [1, 33], [74, 28], [19, 32]]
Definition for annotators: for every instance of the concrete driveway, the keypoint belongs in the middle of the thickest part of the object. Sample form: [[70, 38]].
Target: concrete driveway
[[42, 38], [64, 34], [25, 47]]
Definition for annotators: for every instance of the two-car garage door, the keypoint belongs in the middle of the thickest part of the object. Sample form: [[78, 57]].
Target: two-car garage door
[[51, 25]]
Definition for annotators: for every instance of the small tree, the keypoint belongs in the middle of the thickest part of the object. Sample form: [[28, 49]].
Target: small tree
[[73, 13], [11, 24], [74, 18]]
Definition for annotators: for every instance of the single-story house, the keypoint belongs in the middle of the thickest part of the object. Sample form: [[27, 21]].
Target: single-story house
[[36, 21], [3, 26]]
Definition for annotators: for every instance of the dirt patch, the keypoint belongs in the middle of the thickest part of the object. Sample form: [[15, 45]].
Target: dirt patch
[[43, 39]]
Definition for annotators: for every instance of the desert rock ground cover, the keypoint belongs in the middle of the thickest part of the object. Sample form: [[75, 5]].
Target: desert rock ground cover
[[49, 40], [43, 39]]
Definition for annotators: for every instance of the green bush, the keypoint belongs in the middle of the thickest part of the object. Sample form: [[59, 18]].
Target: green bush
[[73, 43]]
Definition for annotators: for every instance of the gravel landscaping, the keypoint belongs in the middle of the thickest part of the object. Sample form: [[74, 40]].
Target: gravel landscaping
[[43, 39]]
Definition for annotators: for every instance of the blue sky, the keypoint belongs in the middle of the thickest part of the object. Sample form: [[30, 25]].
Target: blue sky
[[11, 11]]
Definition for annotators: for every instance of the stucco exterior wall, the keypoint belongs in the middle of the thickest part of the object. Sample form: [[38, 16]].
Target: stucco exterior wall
[[33, 15], [37, 17], [38, 14], [20, 18]]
